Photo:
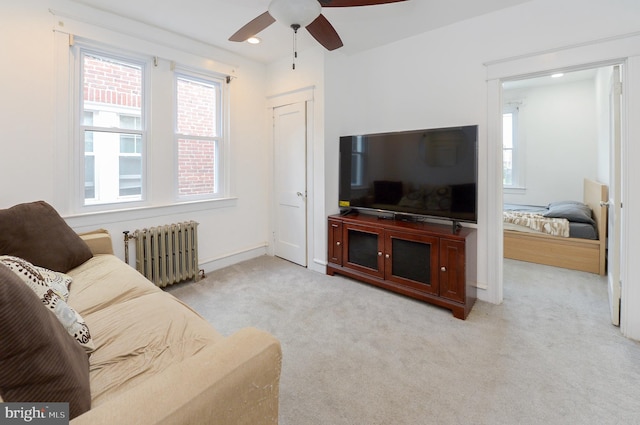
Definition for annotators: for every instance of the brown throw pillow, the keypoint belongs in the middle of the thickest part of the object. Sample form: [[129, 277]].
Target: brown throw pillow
[[39, 360], [36, 232]]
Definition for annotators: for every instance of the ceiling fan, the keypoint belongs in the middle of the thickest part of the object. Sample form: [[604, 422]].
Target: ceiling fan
[[303, 13]]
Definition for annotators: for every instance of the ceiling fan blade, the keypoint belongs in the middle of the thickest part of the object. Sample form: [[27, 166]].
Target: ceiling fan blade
[[350, 3], [253, 27], [322, 30]]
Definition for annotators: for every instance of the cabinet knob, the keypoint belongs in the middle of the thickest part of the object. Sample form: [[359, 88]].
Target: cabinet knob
[[443, 269], [338, 243], [387, 256], [379, 253]]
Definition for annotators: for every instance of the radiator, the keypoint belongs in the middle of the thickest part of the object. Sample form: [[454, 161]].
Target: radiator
[[167, 254]]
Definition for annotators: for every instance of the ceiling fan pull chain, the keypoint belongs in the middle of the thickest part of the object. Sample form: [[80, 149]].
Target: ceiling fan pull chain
[[295, 44]]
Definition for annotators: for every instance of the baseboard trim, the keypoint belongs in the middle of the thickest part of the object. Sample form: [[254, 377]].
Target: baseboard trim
[[318, 265], [211, 264]]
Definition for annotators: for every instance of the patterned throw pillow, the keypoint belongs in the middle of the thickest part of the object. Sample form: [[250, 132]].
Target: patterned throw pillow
[[59, 282], [70, 319]]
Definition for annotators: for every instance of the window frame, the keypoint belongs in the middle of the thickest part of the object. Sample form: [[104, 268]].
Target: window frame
[[80, 50], [517, 150], [221, 139], [159, 155], [138, 150]]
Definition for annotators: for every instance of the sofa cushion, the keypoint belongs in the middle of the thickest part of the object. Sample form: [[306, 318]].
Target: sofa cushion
[[138, 329], [105, 280], [99, 241], [36, 232], [141, 338], [39, 361], [68, 317]]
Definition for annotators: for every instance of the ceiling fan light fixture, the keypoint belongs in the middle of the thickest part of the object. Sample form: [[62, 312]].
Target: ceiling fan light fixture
[[291, 12]]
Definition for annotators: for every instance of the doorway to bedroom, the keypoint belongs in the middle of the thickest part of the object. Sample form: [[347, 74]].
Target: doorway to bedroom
[[558, 130]]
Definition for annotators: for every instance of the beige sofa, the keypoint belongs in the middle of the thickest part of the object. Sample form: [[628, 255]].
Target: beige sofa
[[156, 361]]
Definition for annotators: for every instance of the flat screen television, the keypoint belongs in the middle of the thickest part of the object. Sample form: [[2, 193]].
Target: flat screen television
[[413, 174]]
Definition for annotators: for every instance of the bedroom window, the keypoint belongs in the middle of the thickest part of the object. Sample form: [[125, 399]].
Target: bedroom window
[[511, 148], [111, 128], [199, 135]]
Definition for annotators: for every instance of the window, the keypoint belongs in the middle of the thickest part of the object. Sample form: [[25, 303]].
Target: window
[[199, 136], [511, 149], [141, 141], [89, 159], [130, 161], [112, 128]]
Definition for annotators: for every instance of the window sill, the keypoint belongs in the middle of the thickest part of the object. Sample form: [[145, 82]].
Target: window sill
[[514, 190]]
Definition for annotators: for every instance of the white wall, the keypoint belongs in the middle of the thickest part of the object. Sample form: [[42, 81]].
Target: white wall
[[557, 125], [34, 162], [439, 79]]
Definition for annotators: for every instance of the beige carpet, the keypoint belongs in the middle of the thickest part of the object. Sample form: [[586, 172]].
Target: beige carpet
[[356, 354]]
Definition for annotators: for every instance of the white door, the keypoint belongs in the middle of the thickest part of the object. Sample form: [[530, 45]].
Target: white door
[[290, 182], [615, 203]]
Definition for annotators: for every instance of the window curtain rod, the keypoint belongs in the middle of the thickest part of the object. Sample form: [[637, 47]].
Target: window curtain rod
[[85, 28]]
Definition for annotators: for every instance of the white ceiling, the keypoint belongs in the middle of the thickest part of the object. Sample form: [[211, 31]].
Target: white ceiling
[[361, 28]]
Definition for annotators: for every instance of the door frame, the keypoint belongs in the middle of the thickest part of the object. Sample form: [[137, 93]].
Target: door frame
[[624, 50], [306, 95], [614, 210]]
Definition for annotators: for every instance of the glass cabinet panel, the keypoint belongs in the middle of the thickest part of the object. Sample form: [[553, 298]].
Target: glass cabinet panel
[[363, 249], [411, 260]]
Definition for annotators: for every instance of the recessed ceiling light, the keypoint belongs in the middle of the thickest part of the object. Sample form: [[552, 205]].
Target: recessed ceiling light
[[558, 75], [253, 40]]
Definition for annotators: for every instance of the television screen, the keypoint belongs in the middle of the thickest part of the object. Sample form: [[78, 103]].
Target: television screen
[[429, 172]]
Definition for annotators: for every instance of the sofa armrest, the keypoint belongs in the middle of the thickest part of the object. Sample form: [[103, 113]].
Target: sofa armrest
[[234, 382], [99, 241]]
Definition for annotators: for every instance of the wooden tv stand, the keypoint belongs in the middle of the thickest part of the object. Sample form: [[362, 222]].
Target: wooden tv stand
[[425, 261]]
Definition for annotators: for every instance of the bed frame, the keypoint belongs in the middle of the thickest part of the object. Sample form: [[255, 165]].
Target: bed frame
[[570, 253]]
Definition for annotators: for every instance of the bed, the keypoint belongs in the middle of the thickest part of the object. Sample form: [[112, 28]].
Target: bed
[[577, 251]]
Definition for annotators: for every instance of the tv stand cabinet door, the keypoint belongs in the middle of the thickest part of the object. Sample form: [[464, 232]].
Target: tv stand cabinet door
[[452, 270], [362, 249], [411, 259], [335, 242]]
